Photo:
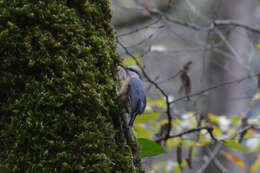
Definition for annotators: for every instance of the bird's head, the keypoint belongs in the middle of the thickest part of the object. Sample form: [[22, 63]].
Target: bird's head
[[133, 70]]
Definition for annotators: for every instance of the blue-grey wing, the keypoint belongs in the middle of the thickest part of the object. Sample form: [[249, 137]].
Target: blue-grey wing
[[137, 95]]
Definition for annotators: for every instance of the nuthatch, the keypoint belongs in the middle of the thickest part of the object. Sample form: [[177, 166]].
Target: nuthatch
[[133, 93]]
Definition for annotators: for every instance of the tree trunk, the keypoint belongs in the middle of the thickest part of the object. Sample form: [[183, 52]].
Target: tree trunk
[[232, 100], [58, 105]]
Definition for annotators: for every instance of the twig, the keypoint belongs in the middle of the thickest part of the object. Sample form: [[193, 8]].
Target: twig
[[212, 25], [168, 111], [214, 87], [172, 77], [243, 132], [209, 160], [217, 163], [237, 24], [208, 128], [232, 50], [141, 28], [143, 41]]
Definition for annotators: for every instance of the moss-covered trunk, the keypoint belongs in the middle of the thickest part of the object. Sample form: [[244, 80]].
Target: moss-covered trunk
[[58, 106]]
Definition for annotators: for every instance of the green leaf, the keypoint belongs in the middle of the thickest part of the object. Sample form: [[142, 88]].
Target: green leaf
[[149, 148], [234, 145], [236, 120], [147, 117], [258, 46]]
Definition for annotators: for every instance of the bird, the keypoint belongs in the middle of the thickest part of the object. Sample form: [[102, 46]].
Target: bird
[[133, 93]]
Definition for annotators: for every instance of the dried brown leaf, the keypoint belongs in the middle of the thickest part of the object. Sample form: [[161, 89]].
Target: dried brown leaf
[[187, 66], [179, 154], [189, 159], [185, 83]]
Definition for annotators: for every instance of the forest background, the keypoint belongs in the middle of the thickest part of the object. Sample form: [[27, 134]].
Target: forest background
[[201, 62]]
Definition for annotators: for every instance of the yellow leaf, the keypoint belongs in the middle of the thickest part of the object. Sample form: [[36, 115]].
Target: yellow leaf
[[147, 117], [155, 126], [235, 160], [173, 142], [132, 61], [193, 122], [176, 122], [239, 162], [204, 142], [177, 169], [256, 165], [141, 132], [236, 146], [156, 103], [228, 156], [184, 163], [213, 118], [231, 131], [217, 131], [251, 132], [190, 113], [194, 151], [187, 143], [258, 46], [159, 164], [164, 121]]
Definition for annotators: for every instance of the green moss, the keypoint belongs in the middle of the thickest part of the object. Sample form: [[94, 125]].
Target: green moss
[[58, 105]]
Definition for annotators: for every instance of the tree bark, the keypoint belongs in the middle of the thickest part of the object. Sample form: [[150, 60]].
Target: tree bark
[[232, 100], [58, 106]]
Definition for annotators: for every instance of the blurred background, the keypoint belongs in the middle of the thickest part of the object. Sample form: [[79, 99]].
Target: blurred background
[[221, 39]]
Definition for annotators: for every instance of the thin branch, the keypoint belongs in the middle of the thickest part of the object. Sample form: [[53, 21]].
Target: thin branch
[[210, 159], [212, 25], [214, 87], [172, 20], [141, 28], [237, 24], [221, 35], [172, 77], [208, 128], [168, 111], [231, 48], [144, 40], [217, 163]]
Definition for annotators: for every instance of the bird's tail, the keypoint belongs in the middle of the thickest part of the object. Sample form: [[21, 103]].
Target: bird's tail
[[132, 119]]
